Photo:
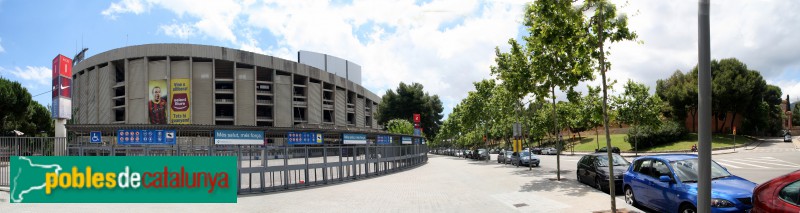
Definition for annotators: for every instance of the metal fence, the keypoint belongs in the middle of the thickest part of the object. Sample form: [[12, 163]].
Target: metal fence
[[261, 168], [24, 146]]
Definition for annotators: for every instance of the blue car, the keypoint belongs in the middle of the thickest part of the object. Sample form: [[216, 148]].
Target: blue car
[[668, 183]]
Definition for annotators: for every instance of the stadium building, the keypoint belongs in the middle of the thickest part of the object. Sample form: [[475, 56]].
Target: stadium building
[[199, 85]]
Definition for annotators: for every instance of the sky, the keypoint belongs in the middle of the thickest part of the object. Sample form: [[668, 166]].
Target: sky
[[443, 44]]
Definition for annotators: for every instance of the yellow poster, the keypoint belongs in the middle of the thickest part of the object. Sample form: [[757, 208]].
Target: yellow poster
[[180, 113]]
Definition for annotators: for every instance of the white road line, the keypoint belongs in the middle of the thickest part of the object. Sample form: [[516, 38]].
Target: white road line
[[730, 161], [755, 161], [728, 165]]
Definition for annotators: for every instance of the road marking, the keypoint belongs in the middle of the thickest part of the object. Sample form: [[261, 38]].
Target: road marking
[[728, 165], [787, 165], [730, 161]]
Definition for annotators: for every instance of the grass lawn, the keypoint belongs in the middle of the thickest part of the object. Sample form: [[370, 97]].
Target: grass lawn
[[588, 143]]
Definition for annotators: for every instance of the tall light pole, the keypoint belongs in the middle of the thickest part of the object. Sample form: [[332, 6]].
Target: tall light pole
[[704, 108]]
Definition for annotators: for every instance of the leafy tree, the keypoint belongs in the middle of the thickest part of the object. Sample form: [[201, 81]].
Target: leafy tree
[[796, 114], [680, 92], [407, 100], [605, 26], [14, 107], [400, 126], [638, 108]]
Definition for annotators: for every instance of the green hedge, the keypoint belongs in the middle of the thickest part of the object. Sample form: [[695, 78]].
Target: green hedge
[[650, 136]]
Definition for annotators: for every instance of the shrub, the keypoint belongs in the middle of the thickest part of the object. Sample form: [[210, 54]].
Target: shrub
[[651, 136]]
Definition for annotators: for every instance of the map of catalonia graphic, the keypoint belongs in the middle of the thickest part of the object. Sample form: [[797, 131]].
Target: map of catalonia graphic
[[28, 176]]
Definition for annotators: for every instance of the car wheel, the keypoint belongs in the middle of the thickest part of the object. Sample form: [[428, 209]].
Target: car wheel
[[578, 177], [536, 165], [629, 196], [688, 209], [598, 185]]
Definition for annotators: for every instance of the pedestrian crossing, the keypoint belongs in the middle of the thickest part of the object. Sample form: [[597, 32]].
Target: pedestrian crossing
[[757, 163]]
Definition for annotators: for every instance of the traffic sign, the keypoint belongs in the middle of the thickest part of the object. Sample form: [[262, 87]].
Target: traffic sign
[[95, 137]]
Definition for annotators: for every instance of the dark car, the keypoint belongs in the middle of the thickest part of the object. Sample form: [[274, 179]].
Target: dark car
[[536, 150], [604, 149], [593, 169], [481, 154], [668, 183], [781, 194]]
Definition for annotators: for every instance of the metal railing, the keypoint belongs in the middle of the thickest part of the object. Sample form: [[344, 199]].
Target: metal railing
[[261, 168], [25, 146]]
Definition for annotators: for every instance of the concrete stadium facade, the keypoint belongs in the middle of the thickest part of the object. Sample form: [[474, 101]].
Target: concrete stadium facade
[[218, 86]]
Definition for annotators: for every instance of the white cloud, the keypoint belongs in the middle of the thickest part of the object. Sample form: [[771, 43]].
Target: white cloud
[[1, 46], [182, 31], [125, 6], [448, 44], [41, 75]]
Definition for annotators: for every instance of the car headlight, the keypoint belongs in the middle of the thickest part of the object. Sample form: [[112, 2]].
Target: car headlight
[[721, 203]]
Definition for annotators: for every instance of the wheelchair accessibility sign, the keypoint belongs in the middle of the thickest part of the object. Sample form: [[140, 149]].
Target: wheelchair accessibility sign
[[95, 137]]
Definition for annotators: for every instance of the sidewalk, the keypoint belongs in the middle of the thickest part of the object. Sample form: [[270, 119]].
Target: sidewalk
[[444, 184]]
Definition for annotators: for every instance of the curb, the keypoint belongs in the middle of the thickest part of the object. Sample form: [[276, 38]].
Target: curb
[[5, 189]]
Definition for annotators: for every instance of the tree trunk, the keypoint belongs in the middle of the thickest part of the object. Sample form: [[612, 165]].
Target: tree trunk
[[733, 119], [611, 186], [555, 125], [597, 137]]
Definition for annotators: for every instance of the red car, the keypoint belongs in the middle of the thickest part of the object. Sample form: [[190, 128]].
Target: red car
[[781, 194]]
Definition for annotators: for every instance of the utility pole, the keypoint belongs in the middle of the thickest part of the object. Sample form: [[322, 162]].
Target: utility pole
[[704, 108]]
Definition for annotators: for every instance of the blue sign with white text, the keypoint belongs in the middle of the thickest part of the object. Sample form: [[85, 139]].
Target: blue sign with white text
[[406, 140], [304, 138], [384, 139], [354, 139], [145, 137], [236, 137]]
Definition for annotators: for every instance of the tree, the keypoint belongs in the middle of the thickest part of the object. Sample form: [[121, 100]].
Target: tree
[[680, 92], [14, 107], [605, 26], [796, 114], [400, 126], [559, 53], [638, 108], [407, 100]]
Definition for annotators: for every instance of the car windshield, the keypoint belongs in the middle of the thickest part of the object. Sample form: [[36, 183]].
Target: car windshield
[[602, 160], [525, 154], [686, 170]]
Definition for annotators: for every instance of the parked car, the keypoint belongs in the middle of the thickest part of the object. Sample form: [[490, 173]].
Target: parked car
[[604, 149], [787, 137], [468, 153], [501, 156], [508, 155], [549, 151], [668, 183], [525, 159], [593, 169], [781, 194], [459, 153], [536, 150], [481, 154]]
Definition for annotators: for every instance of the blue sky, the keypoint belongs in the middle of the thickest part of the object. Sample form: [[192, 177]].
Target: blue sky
[[443, 44]]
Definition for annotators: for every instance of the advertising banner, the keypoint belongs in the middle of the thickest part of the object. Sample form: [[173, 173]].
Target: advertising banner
[[62, 88], [354, 139], [145, 137], [123, 179], [304, 138], [180, 89], [157, 101], [237, 137], [61, 108], [406, 140], [384, 139]]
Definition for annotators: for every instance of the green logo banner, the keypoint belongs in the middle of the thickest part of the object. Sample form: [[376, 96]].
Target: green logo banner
[[123, 179]]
